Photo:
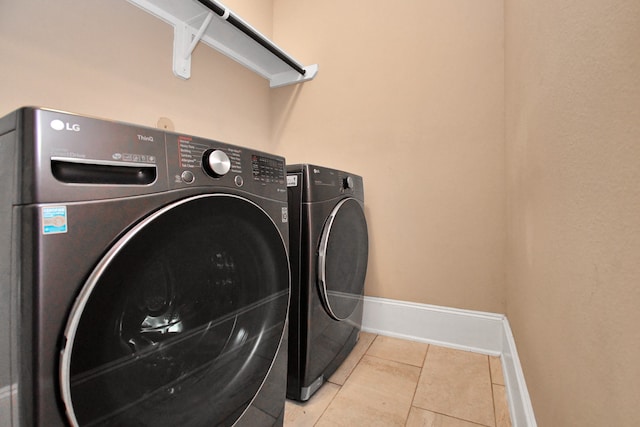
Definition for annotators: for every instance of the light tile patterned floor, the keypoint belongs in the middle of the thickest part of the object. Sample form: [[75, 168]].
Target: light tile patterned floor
[[392, 382]]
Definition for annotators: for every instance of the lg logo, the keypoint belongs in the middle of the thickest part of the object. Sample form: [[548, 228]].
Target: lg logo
[[60, 125]]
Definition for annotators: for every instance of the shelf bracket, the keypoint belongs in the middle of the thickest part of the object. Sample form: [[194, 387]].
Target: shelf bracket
[[184, 42]]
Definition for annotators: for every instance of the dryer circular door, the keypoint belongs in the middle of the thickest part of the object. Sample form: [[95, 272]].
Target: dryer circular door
[[342, 259], [180, 322]]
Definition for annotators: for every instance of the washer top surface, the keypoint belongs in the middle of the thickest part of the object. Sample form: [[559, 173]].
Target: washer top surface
[[70, 157]]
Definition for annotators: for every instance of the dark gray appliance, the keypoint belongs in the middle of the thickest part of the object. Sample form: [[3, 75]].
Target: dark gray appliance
[[329, 250], [145, 277]]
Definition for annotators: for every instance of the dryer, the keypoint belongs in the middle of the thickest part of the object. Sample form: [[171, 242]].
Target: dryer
[[329, 254], [144, 276]]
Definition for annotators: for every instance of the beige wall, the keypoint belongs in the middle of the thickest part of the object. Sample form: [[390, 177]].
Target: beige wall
[[111, 59], [411, 98], [412, 104], [573, 139]]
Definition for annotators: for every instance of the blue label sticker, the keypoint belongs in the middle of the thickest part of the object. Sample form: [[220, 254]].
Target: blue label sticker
[[54, 219]]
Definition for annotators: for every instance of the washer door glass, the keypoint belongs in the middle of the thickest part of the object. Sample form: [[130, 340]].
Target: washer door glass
[[180, 322], [342, 260]]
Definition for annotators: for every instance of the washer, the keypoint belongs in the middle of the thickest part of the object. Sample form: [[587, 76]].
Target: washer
[[144, 276], [329, 252]]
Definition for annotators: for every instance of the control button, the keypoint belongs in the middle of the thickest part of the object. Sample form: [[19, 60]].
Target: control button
[[238, 180], [216, 163], [347, 183], [188, 177]]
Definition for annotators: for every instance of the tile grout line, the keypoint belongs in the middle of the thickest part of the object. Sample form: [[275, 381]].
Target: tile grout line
[[364, 353], [493, 395], [355, 365], [390, 360], [455, 418], [429, 349], [415, 390], [495, 410], [328, 404], [452, 416], [345, 380]]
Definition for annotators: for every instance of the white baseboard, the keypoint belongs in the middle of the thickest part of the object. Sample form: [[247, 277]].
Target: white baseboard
[[486, 333], [517, 393]]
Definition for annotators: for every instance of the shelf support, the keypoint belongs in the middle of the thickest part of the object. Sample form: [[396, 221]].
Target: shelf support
[[199, 34], [184, 42]]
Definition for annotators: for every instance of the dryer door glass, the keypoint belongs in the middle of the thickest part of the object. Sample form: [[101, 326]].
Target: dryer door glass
[[342, 260], [180, 322]]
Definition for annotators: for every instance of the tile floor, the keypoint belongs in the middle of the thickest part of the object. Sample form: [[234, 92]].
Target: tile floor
[[392, 382]]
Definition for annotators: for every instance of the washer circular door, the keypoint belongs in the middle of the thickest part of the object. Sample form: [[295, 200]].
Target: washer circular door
[[342, 259], [180, 322]]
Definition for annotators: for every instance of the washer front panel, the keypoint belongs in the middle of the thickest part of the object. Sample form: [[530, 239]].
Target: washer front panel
[[342, 259], [180, 322]]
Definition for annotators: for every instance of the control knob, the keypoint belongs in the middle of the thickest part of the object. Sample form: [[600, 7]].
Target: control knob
[[216, 163]]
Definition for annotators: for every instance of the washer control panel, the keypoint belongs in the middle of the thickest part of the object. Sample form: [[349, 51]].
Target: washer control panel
[[194, 161], [85, 158], [210, 157], [267, 169], [215, 159]]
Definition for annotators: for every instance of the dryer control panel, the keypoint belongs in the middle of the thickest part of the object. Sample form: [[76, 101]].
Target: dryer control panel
[[324, 183]]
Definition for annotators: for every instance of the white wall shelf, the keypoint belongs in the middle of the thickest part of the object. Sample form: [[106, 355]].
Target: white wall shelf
[[214, 24]]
